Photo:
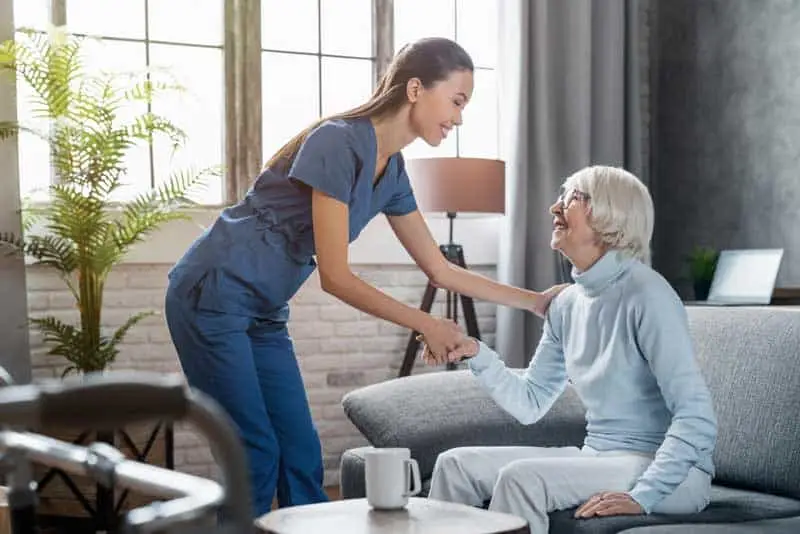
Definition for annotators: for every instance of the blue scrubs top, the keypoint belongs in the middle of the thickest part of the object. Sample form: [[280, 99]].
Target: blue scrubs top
[[259, 252]]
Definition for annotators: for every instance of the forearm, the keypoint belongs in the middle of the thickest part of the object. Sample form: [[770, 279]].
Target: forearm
[[361, 295], [527, 397], [687, 438], [666, 344], [472, 284]]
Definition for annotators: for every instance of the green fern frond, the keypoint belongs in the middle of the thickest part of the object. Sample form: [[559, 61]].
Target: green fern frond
[[158, 206], [12, 243], [30, 214], [65, 339], [57, 331], [10, 129], [93, 157], [182, 183], [105, 252], [74, 215], [8, 55], [148, 89], [72, 344], [48, 250], [122, 331], [146, 125], [108, 346], [54, 251]]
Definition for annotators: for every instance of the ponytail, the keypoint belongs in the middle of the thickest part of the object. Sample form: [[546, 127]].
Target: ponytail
[[430, 60]]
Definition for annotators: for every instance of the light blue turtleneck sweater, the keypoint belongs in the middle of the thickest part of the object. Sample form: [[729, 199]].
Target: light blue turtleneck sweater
[[620, 336]]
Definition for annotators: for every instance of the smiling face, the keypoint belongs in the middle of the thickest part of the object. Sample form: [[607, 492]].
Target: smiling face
[[602, 208], [436, 109], [572, 234]]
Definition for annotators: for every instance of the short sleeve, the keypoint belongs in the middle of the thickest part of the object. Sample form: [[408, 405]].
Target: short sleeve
[[402, 202], [326, 161]]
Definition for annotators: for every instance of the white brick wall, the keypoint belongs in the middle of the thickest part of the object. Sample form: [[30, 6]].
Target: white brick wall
[[339, 348]]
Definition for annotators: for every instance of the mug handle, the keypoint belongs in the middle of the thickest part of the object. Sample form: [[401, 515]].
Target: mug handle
[[416, 487]]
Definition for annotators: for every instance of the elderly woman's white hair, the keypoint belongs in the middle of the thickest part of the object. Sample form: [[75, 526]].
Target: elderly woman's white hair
[[621, 208]]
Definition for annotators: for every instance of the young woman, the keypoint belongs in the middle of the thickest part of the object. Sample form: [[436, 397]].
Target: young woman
[[226, 305], [621, 336]]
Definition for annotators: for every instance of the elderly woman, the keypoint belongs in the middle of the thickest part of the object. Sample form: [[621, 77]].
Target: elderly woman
[[620, 336]]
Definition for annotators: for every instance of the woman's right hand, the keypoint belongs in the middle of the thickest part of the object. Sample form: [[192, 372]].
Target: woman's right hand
[[442, 336]]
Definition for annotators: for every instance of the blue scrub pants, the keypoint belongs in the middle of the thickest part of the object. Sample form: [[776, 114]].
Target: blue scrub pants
[[249, 367]]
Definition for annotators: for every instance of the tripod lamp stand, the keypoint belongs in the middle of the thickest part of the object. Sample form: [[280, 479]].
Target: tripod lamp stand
[[452, 186]]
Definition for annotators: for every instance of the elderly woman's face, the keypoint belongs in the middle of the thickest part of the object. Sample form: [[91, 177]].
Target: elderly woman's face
[[571, 230]]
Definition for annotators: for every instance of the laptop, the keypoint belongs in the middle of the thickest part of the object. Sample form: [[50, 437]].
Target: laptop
[[745, 277]]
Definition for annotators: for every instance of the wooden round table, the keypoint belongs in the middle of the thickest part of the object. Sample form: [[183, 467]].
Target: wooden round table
[[354, 516]]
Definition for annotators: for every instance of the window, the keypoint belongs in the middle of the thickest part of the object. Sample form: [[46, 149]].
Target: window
[[473, 24], [317, 58], [135, 35], [316, 61]]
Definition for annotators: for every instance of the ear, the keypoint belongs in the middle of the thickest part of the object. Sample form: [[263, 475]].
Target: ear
[[414, 89]]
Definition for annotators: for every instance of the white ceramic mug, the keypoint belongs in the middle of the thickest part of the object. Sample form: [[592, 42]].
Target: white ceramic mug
[[392, 476]]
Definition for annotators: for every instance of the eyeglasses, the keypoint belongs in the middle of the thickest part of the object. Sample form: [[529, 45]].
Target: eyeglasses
[[567, 196]]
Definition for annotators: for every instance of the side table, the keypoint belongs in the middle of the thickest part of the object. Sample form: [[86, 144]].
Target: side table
[[355, 516]]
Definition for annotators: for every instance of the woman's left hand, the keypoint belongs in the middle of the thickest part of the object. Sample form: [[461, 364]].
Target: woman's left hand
[[609, 503], [542, 300]]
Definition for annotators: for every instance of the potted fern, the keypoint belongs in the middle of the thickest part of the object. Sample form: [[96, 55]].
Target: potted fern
[[81, 232]]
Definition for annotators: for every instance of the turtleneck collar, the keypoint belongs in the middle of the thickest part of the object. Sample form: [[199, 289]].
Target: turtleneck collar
[[603, 273]]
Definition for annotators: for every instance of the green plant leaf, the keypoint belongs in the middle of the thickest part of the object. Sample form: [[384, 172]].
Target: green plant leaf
[[158, 206], [119, 333], [702, 263], [65, 340], [49, 250]]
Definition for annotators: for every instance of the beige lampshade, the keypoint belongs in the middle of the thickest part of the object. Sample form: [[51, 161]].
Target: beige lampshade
[[458, 184]]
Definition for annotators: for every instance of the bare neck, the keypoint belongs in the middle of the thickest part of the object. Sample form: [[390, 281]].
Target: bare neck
[[393, 133]]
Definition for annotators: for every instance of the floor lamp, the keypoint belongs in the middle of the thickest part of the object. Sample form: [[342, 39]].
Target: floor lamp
[[452, 186]]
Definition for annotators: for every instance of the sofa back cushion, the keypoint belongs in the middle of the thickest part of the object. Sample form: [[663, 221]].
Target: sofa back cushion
[[750, 358], [430, 413]]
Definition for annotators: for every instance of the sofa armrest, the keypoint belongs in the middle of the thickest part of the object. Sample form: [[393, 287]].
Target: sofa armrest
[[434, 412]]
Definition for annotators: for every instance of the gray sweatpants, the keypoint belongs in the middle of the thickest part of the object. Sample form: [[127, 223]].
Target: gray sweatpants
[[531, 481]]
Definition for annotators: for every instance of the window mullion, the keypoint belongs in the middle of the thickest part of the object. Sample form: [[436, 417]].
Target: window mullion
[[58, 12], [243, 115], [382, 36]]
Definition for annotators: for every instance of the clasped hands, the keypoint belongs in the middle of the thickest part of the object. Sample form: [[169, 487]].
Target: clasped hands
[[445, 342]]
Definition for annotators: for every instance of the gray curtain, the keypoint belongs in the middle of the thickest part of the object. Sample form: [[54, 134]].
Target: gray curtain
[[570, 79]]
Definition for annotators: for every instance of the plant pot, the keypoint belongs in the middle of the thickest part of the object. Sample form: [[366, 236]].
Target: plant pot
[[73, 503], [701, 289]]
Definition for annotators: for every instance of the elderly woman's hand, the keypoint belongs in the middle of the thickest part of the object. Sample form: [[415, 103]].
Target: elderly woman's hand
[[466, 348], [609, 503]]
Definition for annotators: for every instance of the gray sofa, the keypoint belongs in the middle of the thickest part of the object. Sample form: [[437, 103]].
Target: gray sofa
[[751, 360]]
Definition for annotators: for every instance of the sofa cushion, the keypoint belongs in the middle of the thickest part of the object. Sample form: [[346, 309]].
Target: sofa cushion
[[727, 505], [790, 525], [750, 358], [433, 412]]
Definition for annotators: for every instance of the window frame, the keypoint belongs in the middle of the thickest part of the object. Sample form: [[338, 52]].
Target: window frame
[[242, 60]]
